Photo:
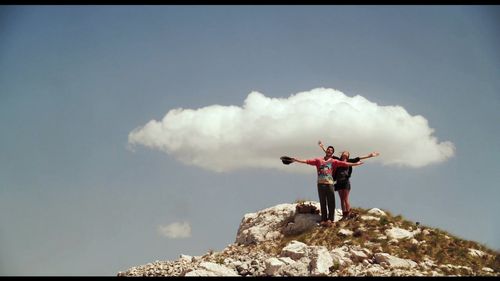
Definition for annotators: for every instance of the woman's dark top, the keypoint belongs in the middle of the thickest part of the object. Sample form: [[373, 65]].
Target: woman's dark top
[[342, 175]]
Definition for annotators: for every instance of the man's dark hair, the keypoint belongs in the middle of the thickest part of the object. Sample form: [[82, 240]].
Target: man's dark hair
[[331, 147]]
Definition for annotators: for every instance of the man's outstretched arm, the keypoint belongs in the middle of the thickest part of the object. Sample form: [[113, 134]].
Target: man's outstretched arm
[[299, 160], [354, 164]]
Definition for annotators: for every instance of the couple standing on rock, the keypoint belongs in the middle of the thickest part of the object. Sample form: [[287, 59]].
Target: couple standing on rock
[[334, 174]]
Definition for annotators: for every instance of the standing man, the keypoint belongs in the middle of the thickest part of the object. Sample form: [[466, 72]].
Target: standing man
[[326, 168]]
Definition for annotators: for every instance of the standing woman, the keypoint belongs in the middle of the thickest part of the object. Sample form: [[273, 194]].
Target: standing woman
[[343, 184]]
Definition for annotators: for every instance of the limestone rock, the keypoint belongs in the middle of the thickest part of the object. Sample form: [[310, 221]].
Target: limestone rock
[[186, 258], [341, 256], [366, 218], [294, 250], [345, 232], [263, 225], [200, 272], [377, 212], [301, 223], [398, 233], [477, 253], [321, 260], [296, 268], [394, 262], [358, 255], [487, 269], [273, 266], [218, 269]]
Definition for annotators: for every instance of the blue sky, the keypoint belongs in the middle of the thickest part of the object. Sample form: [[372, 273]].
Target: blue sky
[[75, 81]]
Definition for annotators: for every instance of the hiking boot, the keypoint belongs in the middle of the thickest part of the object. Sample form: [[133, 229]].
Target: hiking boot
[[345, 216], [352, 216]]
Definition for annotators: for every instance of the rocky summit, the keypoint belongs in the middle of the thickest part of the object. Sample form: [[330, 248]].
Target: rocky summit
[[285, 240]]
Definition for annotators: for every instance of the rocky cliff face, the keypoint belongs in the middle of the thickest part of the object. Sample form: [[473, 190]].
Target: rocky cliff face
[[281, 241]]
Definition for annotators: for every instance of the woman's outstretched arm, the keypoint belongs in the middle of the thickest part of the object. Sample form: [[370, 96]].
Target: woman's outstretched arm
[[373, 154], [322, 146]]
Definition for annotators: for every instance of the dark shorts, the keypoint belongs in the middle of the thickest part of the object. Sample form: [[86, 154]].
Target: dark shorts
[[341, 185]]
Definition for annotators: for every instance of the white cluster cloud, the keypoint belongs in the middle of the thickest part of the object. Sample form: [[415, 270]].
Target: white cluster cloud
[[175, 230], [224, 138]]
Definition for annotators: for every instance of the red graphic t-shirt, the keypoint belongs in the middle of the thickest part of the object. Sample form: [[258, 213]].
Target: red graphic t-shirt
[[326, 168]]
